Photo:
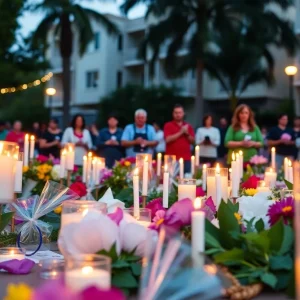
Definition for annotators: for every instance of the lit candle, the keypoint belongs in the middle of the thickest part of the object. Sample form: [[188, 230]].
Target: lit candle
[[198, 228], [26, 150], [62, 169], [234, 178], [218, 186], [84, 169], [237, 158], [70, 218], [19, 172], [273, 158], [11, 254], [187, 189], [181, 168], [290, 172], [145, 176], [166, 188], [261, 187], [204, 177], [197, 156], [285, 168], [241, 160], [193, 165], [70, 157], [32, 144], [270, 178], [230, 173], [136, 194], [158, 170], [100, 166], [80, 279], [89, 167]]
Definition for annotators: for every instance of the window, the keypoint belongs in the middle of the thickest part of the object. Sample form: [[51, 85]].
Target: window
[[95, 43], [120, 42], [92, 79], [119, 79]]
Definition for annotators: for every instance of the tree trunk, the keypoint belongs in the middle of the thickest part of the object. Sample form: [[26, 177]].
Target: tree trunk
[[66, 47], [233, 102], [199, 101]]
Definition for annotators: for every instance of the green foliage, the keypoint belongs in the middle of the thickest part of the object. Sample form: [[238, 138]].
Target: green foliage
[[5, 218], [8, 239]]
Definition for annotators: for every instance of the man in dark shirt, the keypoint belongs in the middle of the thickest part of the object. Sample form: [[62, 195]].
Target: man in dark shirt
[[222, 150], [283, 139], [50, 140]]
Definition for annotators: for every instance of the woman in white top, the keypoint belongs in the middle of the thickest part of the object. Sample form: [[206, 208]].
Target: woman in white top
[[208, 137], [78, 135]]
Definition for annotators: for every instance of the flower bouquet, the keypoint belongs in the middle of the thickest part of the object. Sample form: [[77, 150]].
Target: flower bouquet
[[258, 163]]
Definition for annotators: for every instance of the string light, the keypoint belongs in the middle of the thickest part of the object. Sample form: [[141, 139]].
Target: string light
[[26, 86]]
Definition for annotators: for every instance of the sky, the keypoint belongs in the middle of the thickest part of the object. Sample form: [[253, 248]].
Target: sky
[[29, 21]]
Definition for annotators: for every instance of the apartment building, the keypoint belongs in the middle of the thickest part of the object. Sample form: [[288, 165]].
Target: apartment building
[[111, 62]]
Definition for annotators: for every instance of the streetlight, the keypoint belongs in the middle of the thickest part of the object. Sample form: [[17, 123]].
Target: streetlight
[[291, 71], [50, 92]]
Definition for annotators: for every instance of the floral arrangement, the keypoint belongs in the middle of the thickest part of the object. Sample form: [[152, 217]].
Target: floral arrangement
[[258, 163]]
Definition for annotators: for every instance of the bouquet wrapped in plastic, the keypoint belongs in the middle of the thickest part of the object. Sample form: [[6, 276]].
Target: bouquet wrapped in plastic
[[28, 212]]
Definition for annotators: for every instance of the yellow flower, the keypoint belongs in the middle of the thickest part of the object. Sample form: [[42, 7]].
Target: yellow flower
[[47, 178], [58, 210], [40, 176], [127, 163], [238, 217], [18, 292], [25, 169], [250, 192]]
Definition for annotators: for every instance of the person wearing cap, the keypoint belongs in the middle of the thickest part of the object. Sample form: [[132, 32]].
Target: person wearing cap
[[3, 131], [109, 142], [50, 141]]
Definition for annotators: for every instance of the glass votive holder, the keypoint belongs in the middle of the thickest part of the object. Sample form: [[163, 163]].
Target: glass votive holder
[[186, 188], [170, 163], [73, 211], [212, 184], [9, 253], [144, 217], [51, 268], [285, 193], [262, 187], [141, 158], [83, 271]]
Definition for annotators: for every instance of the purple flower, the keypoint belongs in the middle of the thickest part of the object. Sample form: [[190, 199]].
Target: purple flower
[[210, 204], [117, 216], [183, 209], [105, 174], [94, 293], [281, 209], [171, 222], [154, 206]]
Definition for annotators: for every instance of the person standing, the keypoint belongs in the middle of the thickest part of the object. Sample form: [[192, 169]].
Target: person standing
[[78, 135], [108, 142], [243, 134], [222, 151], [50, 141], [208, 137], [160, 138], [297, 136], [3, 131], [179, 136], [282, 138], [139, 137], [16, 135]]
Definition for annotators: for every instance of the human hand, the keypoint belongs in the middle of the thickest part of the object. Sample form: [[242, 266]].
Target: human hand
[[109, 142]]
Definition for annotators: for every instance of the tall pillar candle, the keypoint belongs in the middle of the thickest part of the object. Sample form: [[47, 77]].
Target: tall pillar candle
[[212, 183], [186, 189], [84, 169], [145, 177], [198, 231], [273, 158], [62, 169], [218, 186], [136, 195], [285, 168], [26, 150], [234, 178], [290, 172], [32, 144], [270, 178], [166, 188], [181, 168], [193, 166], [89, 167], [197, 156], [70, 157], [19, 172], [237, 157], [204, 177], [241, 167], [158, 165]]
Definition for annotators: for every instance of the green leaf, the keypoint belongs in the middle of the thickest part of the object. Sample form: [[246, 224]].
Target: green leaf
[[211, 241], [260, 225], [258, 244], [288, 240], [112, 253], [289, 185], [269, 279], [119, 264], [213, 251], [126, 195], [281, 262], [5, 219], [250, 225], [136, 269], [124, 279], [276, 235], [233, 255]]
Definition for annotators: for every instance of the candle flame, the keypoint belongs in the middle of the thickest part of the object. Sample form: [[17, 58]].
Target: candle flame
[[233, 156], [87, 270], [158, 155], [273, 149], [271, 170], [218, 169], [70, 149], [237, 156], [181, 160], [146, 159], [32, 138], [263, 184], [26, 137], [241, 153], [166, 168], [286, 159], [136, 172], [90, 154], [211, 269], [290, 163], [230, 170], [84, 157], [1, 147], [12, 252], [64, 152], [204, 166], [193, 157], [197, 203], [197, 148]]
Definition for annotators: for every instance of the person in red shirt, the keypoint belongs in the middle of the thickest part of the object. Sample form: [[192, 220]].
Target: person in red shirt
[[16, 135], [179, 136]]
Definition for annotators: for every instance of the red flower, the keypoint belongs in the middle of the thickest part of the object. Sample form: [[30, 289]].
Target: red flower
[[75, 169], [199, 192], [251, 183], [79, 188], [42, 158]]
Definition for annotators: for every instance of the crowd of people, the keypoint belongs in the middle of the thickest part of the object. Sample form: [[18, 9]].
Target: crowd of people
[[176, 137]]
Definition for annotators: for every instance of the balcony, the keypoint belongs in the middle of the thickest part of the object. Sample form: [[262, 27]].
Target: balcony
[[131, 59]]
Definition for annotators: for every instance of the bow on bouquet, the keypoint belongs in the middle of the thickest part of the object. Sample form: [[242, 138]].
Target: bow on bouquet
[[28, 212]]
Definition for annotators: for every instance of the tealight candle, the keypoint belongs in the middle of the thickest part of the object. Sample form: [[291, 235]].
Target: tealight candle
[[9, 253]]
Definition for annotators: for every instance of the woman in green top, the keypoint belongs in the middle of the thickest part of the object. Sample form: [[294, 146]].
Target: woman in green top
[[243, 134]]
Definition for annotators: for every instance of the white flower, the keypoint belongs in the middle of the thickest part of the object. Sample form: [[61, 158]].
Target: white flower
[[55, 172], [215, 222], [112, 204]]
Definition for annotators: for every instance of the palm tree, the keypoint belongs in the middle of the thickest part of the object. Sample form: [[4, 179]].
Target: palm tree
[[193, 25], [63, 14]]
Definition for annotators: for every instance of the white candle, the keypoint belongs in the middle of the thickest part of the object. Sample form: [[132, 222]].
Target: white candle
[[62, 169], [26, 150], [32, 144], [204, 177], [94, 170], [84, 169], [270, 178], [241, 170], [144, 223], [70, 157], [237, 156], [136, 195], [218, 187], [158, 169], [234, 178], [262, 187], [273, 158], [11, 255], [145, 177], [89, 167], [100, 166], [193, 165], [197, 156], [181, 168], [70, 218], [166, 188], [186, 191], [198, 230], [290, 172], [80, 279], [285, 168], [19, 175]]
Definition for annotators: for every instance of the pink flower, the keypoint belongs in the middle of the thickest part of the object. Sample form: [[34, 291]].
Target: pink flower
[[117, 216], [199, 192], [94, 293], [251, 183], [154, 206], [105, 174], [183, 209], [210, 204], [75, 169], [258, 160], [282, 209], [42, 158], [286, 137]]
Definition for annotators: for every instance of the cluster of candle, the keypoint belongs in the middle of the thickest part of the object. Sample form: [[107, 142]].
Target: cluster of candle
[[92, 167], [28, 149]]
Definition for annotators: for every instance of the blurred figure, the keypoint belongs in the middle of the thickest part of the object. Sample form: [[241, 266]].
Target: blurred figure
[[264, 149], [16, 135], [297, 136], [35, 129], [94, 132], [3, 131], [109, 142], [179, 136], [140, 136], [243, 134], [160, 138], [8, 126], [282, 138], [78, 135], [222, 151], [50, 141], [208, 137]]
